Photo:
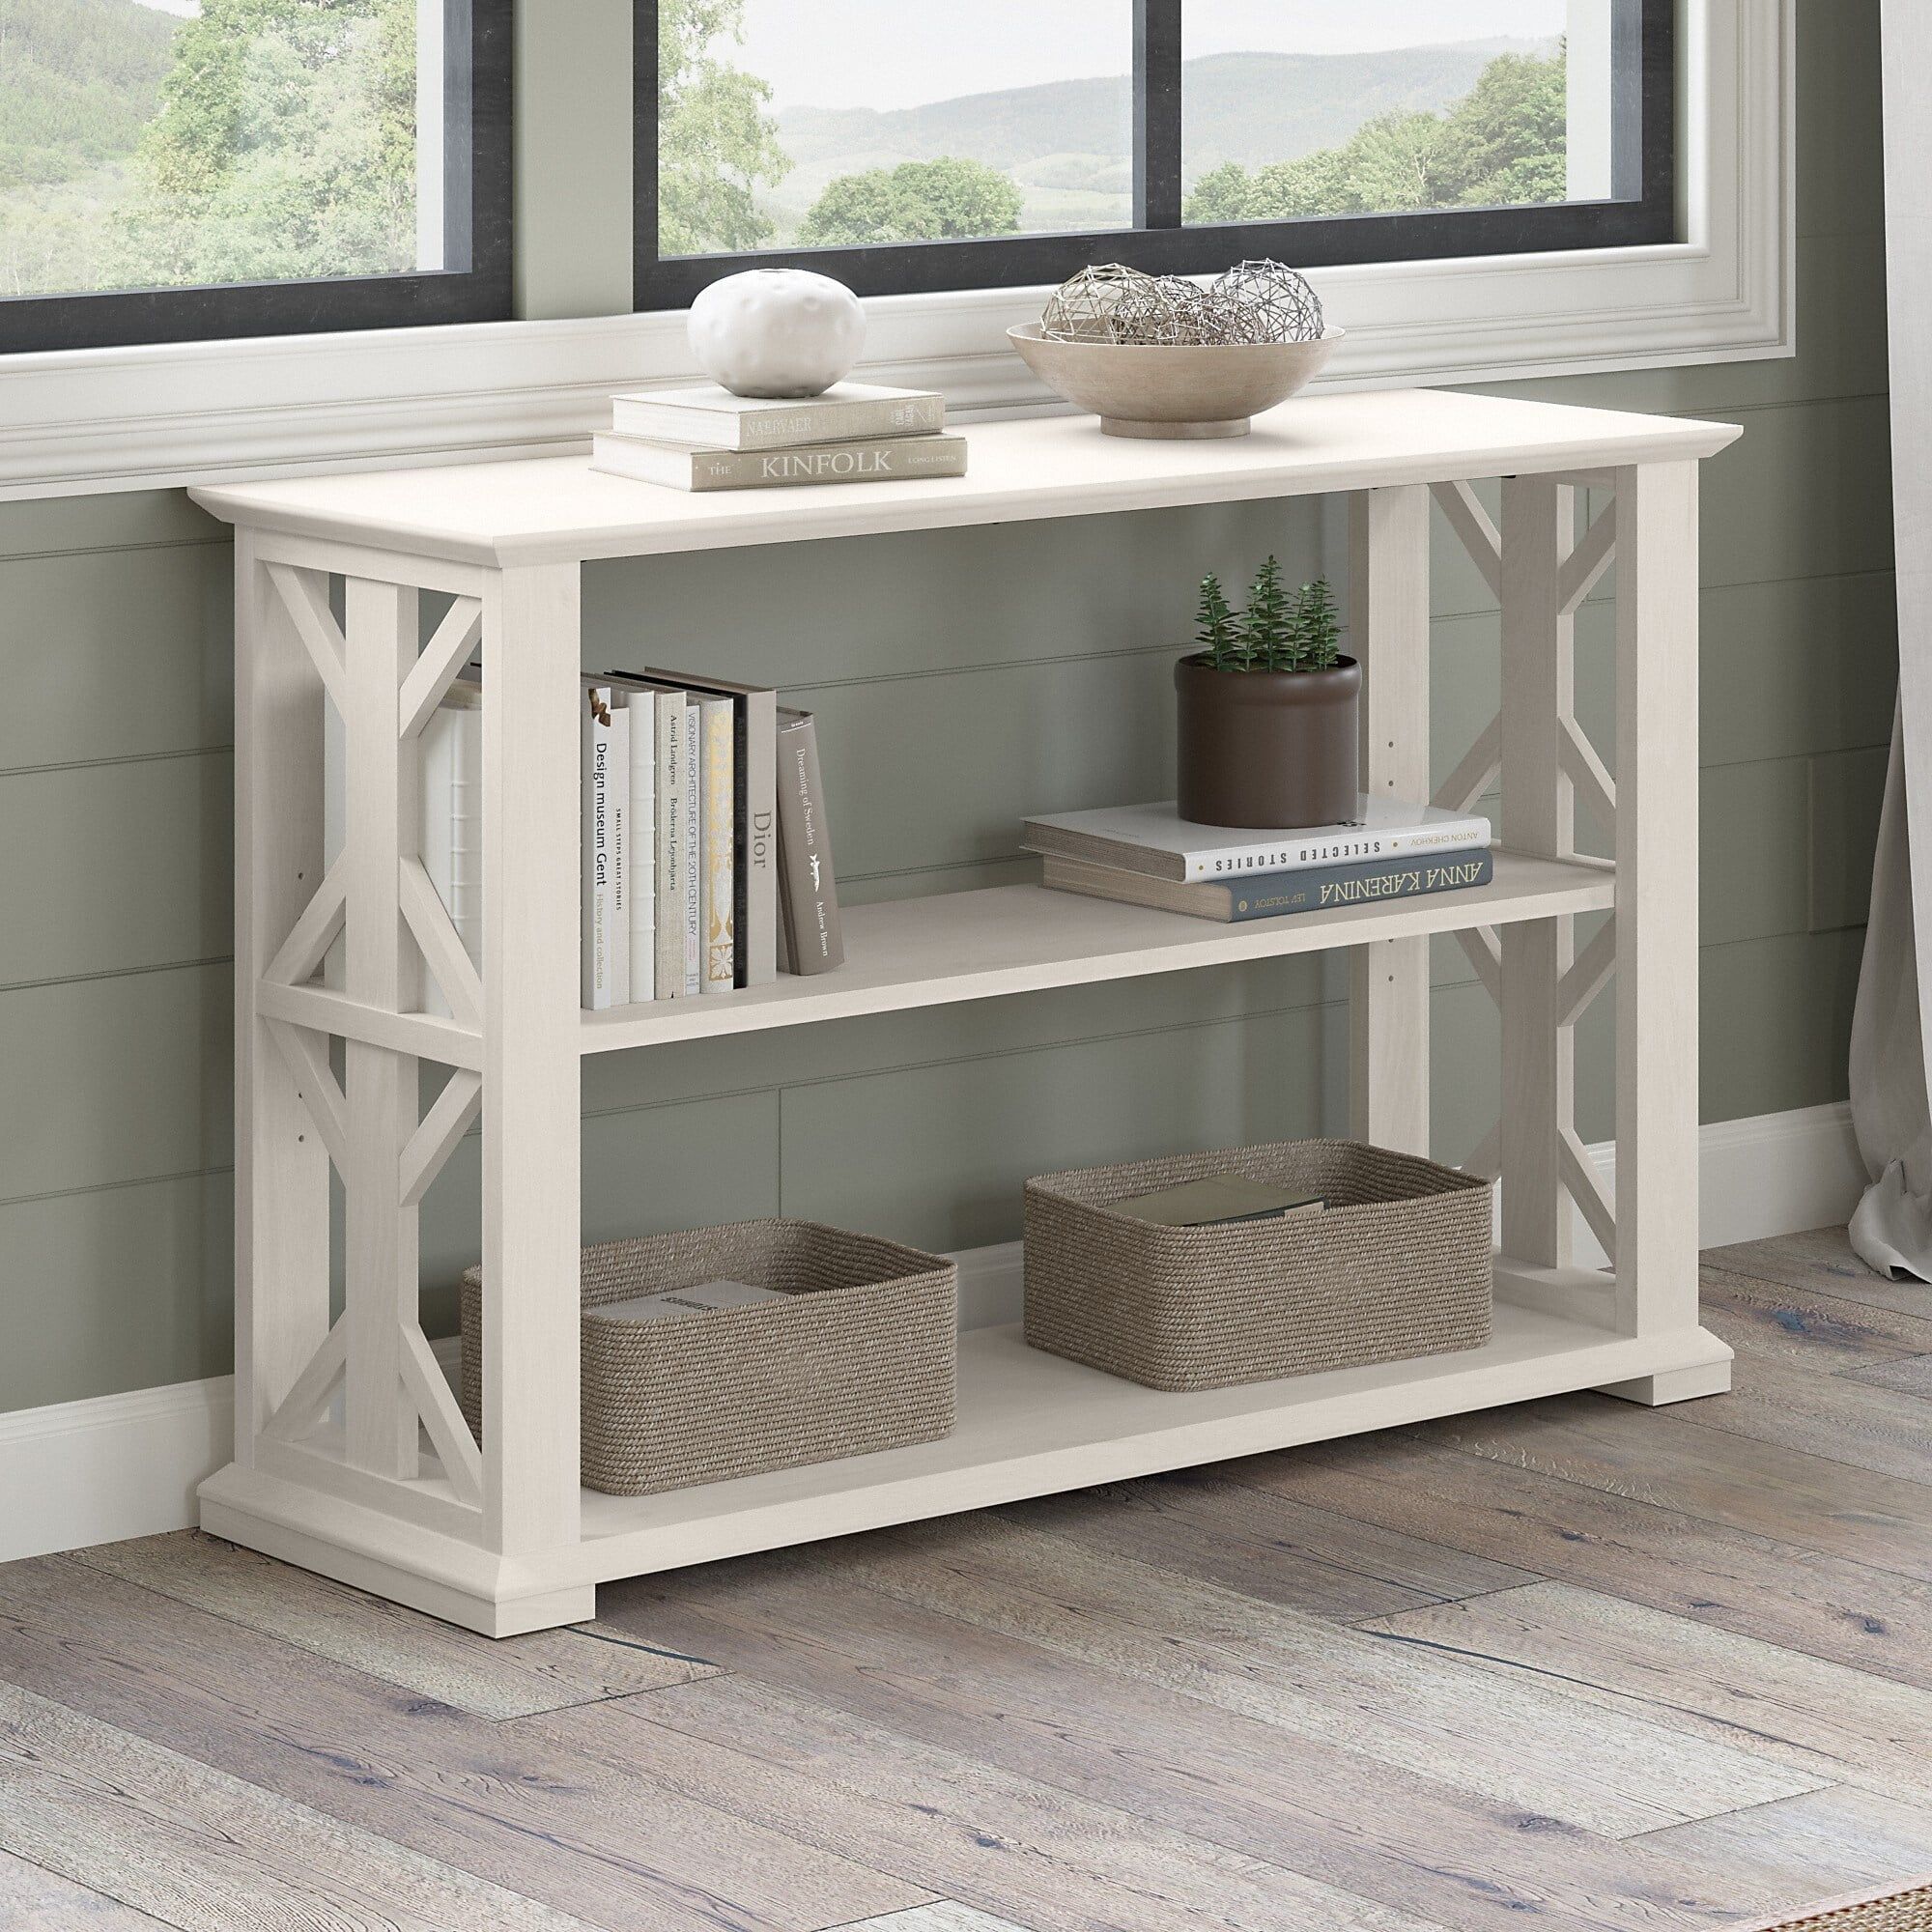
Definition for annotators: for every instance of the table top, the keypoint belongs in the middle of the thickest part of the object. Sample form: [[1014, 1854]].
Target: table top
[[558, 509]]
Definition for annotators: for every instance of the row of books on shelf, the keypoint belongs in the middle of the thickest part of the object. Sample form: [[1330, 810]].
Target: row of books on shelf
[[706, 853], [705, 438], [1147, 855], [707, 859]]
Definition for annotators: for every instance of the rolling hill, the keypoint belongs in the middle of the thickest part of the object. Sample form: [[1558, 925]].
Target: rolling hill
[[78, 82], [1067, 143]]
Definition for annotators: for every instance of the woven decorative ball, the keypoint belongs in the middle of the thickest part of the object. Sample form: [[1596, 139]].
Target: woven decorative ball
[[1278, 302], [1171, 311], [1087, 306]]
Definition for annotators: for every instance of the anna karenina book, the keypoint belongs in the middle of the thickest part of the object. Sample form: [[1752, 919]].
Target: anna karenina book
[[1273, 895]]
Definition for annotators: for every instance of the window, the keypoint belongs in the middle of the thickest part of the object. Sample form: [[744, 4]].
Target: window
[[178, 169], [990, 143]]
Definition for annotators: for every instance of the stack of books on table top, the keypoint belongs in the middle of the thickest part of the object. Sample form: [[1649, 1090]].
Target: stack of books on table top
[[1149, 855], [705, 853], [707, 438]]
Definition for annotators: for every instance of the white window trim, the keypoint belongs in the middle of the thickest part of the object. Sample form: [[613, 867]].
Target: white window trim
[[85, 420]]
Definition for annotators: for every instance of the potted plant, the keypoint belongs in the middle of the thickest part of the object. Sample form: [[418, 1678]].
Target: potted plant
[[1269, 710]]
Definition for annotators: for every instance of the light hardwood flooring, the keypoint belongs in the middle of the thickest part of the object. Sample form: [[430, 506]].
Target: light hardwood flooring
[[1575, 1664]]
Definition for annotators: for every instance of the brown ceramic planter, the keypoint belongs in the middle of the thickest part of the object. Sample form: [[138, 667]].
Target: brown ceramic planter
[[1268, 748]]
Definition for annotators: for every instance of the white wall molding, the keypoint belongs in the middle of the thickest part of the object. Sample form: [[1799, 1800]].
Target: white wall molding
[[121, 1466], [88, 420]]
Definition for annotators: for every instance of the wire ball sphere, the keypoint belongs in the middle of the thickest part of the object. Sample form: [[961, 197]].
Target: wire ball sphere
[[1087, 307], [1253, 302], [1282, 304]]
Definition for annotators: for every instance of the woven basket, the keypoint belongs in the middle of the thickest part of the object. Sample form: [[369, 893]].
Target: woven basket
[[1399, 1264], [1886, 1910], [858, 1357]]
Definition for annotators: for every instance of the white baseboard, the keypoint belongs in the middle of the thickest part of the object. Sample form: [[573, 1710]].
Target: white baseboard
[[121, 1466]]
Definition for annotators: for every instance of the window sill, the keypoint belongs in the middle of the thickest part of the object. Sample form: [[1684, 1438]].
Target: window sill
[[90, 420]]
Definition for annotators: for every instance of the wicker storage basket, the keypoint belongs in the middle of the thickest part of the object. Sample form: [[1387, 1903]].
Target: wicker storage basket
[[859, 1356], [1399, 1264]]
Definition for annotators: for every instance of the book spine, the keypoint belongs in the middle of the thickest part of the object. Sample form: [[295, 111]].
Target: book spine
[[757, 882], [886, 415], [779, 427], [1326, 887], [1294, 854], [598, 836], [620, 910], [673, 801], [876, 461], [641, 844], [718, 911], [692, 894], [814, 941]]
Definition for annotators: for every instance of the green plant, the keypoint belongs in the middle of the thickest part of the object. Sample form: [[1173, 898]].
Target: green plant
[[1318, 630], [1216, 629], [1267, 625], [1279, 630]]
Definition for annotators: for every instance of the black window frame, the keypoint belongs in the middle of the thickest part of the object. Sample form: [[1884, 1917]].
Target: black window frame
[[1643, 169], [476, 225]]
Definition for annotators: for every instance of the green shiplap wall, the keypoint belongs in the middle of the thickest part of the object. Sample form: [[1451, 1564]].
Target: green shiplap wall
[[962, 679]]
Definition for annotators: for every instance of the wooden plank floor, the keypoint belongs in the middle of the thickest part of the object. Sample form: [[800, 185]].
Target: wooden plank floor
[[1574, 1663]]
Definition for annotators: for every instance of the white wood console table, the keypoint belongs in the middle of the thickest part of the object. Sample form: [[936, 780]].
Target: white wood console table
[[384, 1487]]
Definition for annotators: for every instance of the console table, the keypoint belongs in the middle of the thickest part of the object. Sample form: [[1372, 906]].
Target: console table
[[351, 1456]]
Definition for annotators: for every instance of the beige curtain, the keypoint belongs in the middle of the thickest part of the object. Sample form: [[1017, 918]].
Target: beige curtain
[[1892, 1228]]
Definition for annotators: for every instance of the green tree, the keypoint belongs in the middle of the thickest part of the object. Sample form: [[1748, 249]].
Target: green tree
[[1505, 142], [716, 141], [284, 147], [945, 199], [1502, 145]]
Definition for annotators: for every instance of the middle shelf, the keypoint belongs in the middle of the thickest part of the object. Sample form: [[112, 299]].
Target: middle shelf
[[1022, 939]]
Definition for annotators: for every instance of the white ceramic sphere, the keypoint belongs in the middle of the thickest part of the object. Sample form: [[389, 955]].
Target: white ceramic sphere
[[777, 331]]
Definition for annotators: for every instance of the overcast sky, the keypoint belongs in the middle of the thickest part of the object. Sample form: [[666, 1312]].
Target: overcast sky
[[897, 53]]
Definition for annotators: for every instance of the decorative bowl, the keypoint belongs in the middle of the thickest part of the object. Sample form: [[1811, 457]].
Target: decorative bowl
[[1174, 390]]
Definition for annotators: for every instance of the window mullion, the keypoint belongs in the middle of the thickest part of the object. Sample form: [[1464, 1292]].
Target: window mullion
[[1156, 113]]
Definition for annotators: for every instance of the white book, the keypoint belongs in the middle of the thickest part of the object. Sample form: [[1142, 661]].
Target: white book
[[755, 804], [711, 417], [450, 825], [673, 836], [718, 775], [693, 857], [1154, 840], [640, 840], [607, 929], [676, 465], [452, 822]]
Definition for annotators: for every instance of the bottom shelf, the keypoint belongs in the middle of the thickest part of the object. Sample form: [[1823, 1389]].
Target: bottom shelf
[[1031, 1424]]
